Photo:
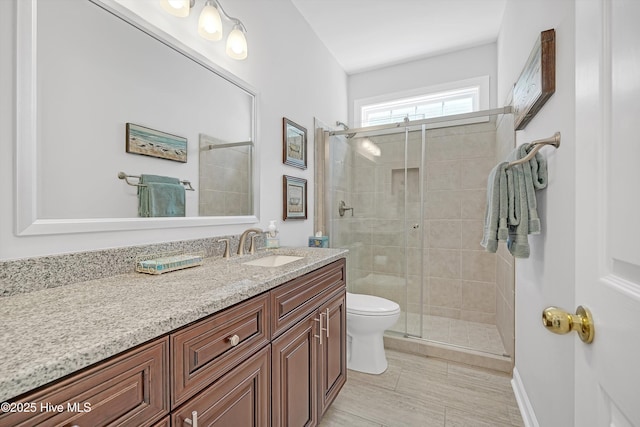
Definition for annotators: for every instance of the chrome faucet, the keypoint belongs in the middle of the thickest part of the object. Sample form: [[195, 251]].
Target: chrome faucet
[[243, 236]]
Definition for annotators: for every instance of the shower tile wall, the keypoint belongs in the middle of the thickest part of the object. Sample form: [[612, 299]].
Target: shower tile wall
[[224, 181], [460, 279], [459, 276]]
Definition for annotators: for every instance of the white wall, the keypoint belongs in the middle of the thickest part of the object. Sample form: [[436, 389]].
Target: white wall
[[461, 65], [296, 77], [544, 361]]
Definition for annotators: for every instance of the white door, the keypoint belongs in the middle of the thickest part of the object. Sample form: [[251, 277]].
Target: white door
[[607, 373]]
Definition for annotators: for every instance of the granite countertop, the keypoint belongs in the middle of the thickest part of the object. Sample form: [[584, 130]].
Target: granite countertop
[[51, 333]]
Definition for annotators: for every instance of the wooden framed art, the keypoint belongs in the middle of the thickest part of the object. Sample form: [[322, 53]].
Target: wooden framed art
[[294, 144], [294, 196], [150, 142], [537, 82]]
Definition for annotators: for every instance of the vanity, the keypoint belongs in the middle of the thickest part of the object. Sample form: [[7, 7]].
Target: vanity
[[226, 343]]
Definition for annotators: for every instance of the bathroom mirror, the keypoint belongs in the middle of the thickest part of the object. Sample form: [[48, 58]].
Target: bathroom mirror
[[85, 70]]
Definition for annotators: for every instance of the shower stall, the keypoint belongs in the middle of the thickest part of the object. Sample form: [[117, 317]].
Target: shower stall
[[408, 201]]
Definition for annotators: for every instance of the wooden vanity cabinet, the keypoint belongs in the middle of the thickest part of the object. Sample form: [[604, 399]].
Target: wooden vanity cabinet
[[277, 359], [309, 365], [129, 390], [288, 383]]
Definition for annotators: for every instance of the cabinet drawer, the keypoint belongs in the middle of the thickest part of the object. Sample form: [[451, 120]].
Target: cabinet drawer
[[291, 301], [241, 398], [131, 389], [205, 351]]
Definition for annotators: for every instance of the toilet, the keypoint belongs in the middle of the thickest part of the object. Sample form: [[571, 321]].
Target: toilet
[[368, 317]]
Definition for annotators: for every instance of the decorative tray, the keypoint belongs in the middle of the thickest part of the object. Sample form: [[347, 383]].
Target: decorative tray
[[168, 261]]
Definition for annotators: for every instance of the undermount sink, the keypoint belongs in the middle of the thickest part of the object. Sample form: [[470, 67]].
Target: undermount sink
[[273, 260]]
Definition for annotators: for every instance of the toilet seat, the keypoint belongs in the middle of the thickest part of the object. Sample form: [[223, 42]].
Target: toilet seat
[[370, 305]]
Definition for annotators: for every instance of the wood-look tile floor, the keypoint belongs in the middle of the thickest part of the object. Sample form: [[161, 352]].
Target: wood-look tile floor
[[420, 391]]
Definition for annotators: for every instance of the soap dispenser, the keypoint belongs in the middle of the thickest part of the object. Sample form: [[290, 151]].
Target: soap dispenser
[[272, 235]]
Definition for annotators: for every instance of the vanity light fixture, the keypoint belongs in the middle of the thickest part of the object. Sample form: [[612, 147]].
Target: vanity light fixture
[[210, 24], [237, 43], [179, 8]]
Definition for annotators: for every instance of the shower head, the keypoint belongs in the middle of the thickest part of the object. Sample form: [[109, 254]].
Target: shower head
[[349, 135]]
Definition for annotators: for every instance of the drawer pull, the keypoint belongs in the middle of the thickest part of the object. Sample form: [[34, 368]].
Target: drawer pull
[[194, 417], [234, 340]]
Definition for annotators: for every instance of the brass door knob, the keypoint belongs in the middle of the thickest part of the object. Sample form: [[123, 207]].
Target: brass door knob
[[560, 321]]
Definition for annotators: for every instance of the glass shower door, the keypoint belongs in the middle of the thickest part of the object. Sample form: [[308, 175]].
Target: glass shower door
[[375, 210]]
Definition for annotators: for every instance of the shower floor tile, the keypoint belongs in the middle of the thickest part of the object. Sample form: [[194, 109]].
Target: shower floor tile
[[463, 333]]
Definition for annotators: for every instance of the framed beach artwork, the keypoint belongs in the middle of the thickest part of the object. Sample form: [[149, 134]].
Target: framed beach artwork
[[294, 149], [151, 142], [294, 198]]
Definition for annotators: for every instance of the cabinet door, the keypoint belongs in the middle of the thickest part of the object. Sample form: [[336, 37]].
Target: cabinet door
[[333, 351], [294, 375], [238, 399]]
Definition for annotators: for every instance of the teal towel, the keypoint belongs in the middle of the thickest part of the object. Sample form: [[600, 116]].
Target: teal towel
[[161, 196], [535, 176], [518, 242], [495, 219], [511, 213]]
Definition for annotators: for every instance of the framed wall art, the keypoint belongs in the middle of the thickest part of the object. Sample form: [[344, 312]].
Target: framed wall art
[[294, 195], [294, 144], [150, 142], [537, 82]]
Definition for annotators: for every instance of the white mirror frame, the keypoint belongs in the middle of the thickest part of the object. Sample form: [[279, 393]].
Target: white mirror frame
[[26, 174]]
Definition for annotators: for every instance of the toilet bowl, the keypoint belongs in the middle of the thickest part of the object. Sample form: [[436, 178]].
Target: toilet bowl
[[368, 317]]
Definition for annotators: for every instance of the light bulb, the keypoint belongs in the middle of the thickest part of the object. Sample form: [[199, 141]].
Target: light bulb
[[209, 23], [237, 44], [178, 8]]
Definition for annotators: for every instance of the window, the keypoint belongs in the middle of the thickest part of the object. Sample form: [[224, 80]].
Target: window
[[455, 98]]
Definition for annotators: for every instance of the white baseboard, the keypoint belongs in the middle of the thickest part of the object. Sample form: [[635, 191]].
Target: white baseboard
[[526, 410]]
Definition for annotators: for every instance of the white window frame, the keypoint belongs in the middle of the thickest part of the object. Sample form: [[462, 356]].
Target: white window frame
[[396, 99]]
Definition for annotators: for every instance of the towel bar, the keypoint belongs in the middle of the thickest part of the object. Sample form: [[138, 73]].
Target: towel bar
[[126, 177], [537, 145]]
